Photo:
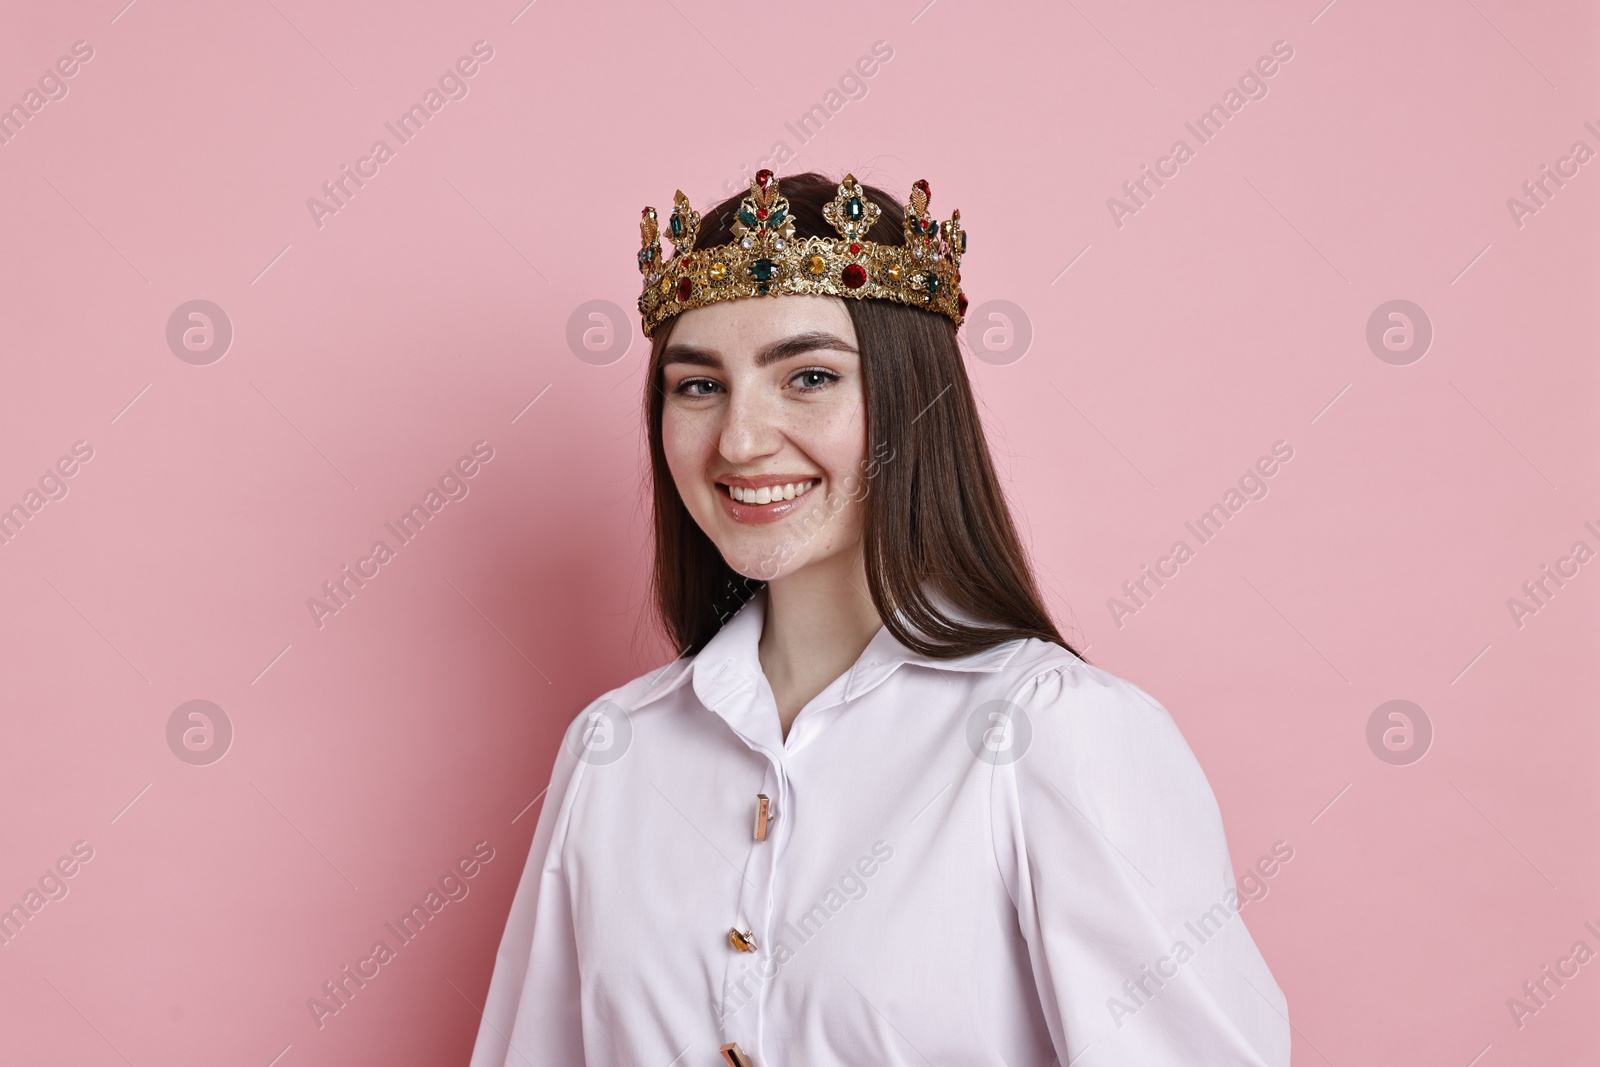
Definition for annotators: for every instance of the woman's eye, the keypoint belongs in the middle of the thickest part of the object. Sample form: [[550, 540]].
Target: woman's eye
[[692, 387], [814, 378]]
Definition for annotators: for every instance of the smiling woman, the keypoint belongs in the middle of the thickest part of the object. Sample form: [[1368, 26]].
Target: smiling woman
[[939, 517], [867, 668]]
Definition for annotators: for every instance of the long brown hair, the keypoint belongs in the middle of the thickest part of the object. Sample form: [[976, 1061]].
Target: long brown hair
[[935, 512]]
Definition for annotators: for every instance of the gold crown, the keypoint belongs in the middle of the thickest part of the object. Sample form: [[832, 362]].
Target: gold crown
[[765, 259]]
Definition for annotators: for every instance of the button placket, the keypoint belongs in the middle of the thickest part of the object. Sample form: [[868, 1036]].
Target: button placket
[[749, 939], [755, 903], [780, 826]]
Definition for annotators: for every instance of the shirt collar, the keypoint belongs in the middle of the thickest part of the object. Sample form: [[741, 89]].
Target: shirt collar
[[729, 662]]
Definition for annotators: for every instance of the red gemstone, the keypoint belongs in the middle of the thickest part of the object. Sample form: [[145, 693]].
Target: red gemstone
[[644, 213], [855, 276], [763, 179], [922, 183], [961, 305], [761, 212], [854, 248], [685, 289]]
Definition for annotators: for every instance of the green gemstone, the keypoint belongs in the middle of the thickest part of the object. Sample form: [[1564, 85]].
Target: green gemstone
[[933, 283], [762, 270], [777, 219], [963, 242], [747, 218], [676, 225], [853, 210], [762, 288]]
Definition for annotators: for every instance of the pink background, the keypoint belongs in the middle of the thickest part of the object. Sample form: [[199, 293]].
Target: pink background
[[1227, 314]]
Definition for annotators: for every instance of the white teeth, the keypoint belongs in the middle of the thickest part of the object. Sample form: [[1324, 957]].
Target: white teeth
[[770, 493]]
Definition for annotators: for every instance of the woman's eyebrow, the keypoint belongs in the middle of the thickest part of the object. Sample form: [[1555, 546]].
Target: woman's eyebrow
[[775, 352]]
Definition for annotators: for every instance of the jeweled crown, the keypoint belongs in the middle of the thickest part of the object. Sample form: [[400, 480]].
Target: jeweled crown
[[765, 258]]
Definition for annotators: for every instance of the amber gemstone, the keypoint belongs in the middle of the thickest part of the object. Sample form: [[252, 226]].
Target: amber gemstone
[[718, 271], [816, 264], [685, 289], [855, 276], [892, 272]]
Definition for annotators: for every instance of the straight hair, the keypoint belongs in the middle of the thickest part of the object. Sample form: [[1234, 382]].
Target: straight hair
[[934, 513]]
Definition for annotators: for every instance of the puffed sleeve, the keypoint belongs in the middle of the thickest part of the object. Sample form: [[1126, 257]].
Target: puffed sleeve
[[531, 1016], [1111, 844]]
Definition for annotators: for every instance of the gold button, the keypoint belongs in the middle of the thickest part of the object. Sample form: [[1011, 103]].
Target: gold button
[[763, 815], [743, 941]]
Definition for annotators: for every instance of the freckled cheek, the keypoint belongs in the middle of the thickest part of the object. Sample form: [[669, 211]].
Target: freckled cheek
[[685, 450], [839, 443]]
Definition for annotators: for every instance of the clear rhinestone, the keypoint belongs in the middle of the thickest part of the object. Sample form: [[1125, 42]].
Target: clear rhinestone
[[778, 244], [746, 243]]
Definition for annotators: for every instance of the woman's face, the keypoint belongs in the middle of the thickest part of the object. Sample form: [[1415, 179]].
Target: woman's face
[[764, 428]]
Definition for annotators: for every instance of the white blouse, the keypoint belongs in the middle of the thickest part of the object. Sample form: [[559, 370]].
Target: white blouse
[[1010, 859]]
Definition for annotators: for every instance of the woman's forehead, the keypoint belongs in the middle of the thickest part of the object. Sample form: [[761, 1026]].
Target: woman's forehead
[[749, 324]]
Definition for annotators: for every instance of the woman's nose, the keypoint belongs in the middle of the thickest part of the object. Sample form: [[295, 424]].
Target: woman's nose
[[749, 430]]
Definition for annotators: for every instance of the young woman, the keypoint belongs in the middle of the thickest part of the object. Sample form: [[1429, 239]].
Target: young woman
[[878, 811]]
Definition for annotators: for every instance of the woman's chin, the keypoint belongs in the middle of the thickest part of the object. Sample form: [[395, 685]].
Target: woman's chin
[[763, 567]]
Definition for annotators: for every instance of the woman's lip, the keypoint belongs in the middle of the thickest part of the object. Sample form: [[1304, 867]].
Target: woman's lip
[[755, 514]]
